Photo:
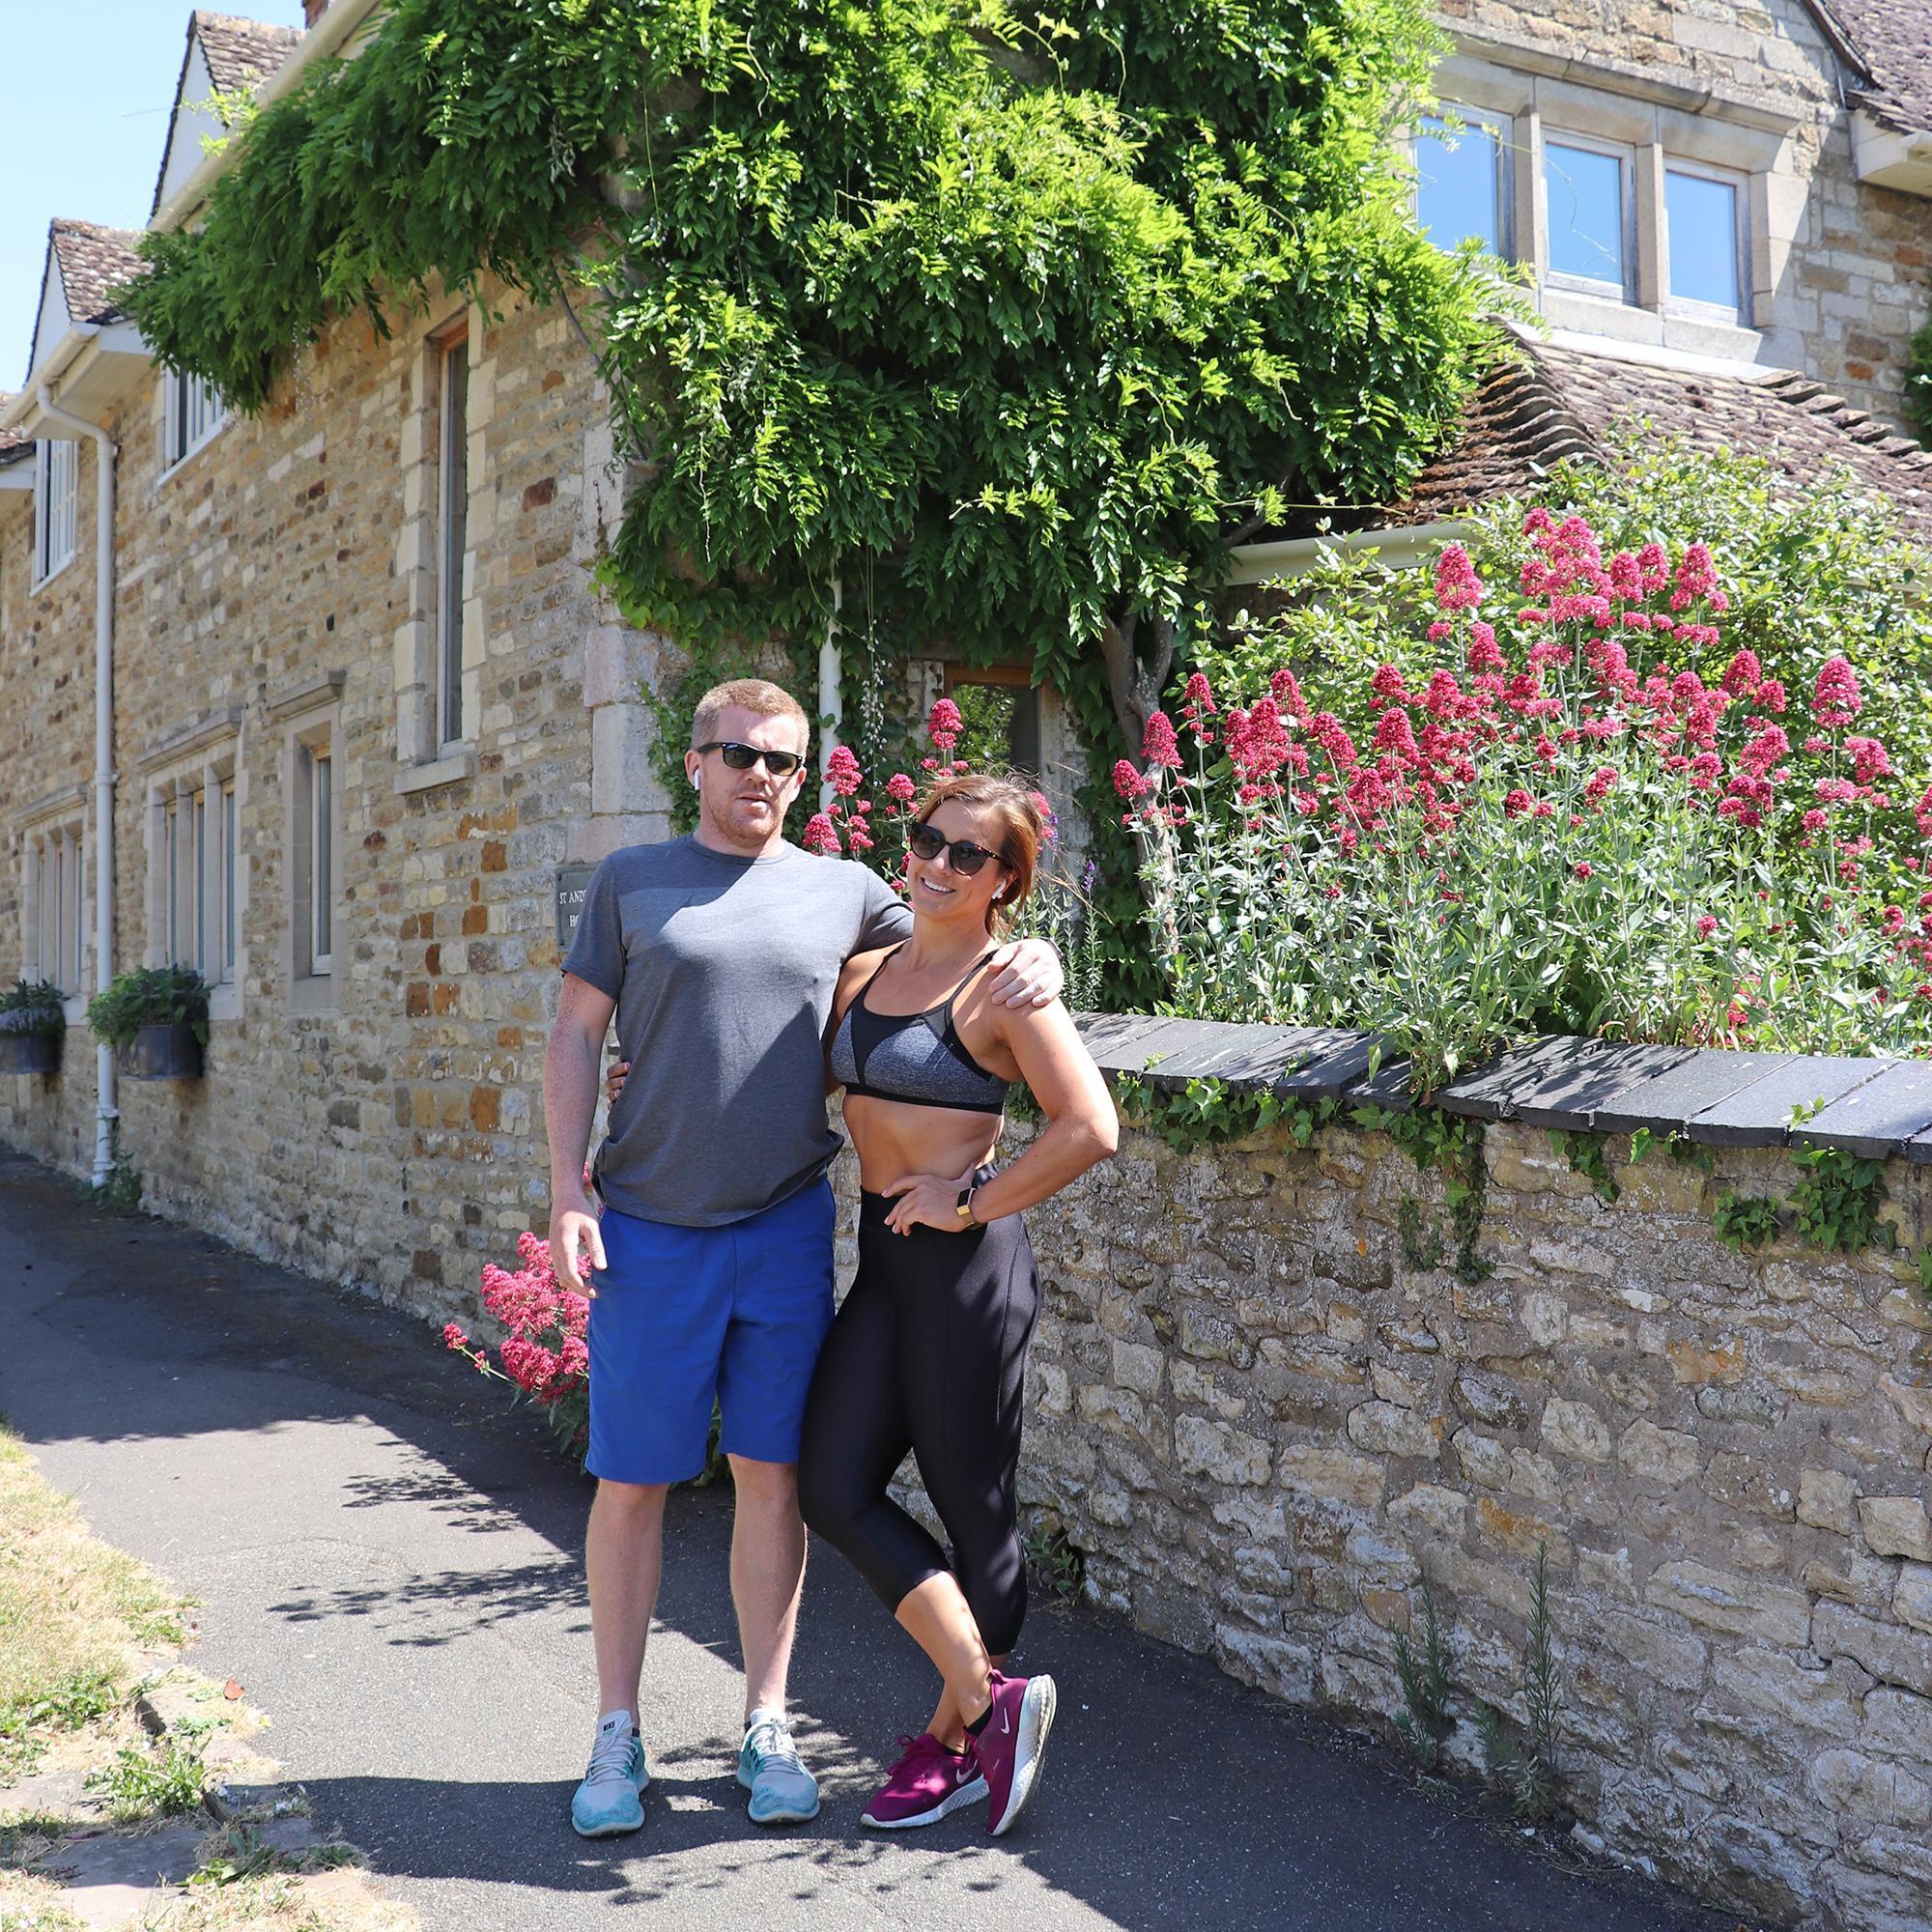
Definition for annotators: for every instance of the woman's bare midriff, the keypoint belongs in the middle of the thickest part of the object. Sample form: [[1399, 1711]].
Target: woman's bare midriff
[[893, 1139]]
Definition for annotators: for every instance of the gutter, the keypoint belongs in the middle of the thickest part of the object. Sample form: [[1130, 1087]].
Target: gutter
[[1296, 556], [337, 25], [105, 1111]]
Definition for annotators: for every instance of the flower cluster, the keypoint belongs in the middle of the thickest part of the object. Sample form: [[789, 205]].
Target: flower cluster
[[1550, 821], [544, 1353]]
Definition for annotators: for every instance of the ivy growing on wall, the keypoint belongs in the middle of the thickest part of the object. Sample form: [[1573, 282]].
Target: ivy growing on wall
[[1011, 330]]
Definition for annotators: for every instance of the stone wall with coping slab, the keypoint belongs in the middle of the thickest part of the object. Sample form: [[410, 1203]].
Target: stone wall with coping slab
[[1265, 1428]]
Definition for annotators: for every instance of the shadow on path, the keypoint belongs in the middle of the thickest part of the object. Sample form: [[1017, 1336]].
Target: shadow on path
[[392, 1562]]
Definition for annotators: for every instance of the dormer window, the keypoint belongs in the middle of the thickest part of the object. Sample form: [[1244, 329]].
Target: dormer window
[[1586, 189], [1461, 174], [1704, 209]]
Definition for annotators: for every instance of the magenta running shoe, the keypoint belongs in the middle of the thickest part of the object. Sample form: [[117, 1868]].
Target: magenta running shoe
[[928, 1783], [1010, 1748]]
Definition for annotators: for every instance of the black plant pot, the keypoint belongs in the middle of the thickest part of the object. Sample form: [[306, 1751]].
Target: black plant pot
[[163, 1053], [29, 1053]]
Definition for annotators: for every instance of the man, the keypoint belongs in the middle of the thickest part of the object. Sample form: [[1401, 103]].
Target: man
[[718, 955]]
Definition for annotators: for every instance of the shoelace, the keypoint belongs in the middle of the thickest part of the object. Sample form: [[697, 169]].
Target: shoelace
[[610, 1756], [771, 1741]]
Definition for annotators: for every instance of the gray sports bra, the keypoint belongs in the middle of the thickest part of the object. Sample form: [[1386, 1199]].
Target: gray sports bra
[[915, 1057]]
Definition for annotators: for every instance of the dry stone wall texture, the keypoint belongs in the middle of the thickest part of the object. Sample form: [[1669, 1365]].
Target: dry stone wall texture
[[385, 1130], [1265, 1430]]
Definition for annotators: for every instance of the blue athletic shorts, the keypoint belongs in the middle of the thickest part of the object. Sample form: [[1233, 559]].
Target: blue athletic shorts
[[684, 1313]]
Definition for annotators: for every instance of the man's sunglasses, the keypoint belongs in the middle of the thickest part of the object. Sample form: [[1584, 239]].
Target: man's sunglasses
[[742, 757], [927, 841]]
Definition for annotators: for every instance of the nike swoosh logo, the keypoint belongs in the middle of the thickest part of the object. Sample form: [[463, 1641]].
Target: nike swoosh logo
[[1006, 1723]]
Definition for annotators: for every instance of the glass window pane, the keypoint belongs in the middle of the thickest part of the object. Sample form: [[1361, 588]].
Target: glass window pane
[[201, 883], [1456, 184], [174, 882], [1703, 217], [323, 943], [1585, 193], [455, 493], [228, 880]]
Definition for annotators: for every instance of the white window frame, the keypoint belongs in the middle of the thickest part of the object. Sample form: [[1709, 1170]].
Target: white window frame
[[197, 882], [56, 507], [1624, 154], [452, 533], [1501, 128], [56, 887], [315, 822], [194, 415], [1739, 185]]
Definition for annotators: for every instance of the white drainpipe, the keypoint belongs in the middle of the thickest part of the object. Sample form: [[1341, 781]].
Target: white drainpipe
[[831, 699], [105, 1111]]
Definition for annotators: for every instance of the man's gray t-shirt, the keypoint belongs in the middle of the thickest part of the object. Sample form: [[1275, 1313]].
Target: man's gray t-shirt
[[722, 970]]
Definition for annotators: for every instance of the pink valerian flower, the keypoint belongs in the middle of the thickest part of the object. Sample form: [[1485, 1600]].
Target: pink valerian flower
[[1815, 821], [453, 1337], [1696, 578], [820, 836], [1870, 761], [1158, 744], [1922, 813], [1655, 567], [944, 724], [1395, 735], [1286, 692], [1387, 685], [1835, 699], [1128, 781], [1835, 791], [1198, 693], [1458, 587], [1326, 729], [1584, 869], [1049, 824], [1515, 803], [1706, 926], [1484, 656], [1602, 784], [1743, 675], [902, 790], [842, 773], [1258, 741], [857, 837]]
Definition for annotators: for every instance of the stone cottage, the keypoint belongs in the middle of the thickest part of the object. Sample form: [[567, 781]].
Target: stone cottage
[[328, 705]]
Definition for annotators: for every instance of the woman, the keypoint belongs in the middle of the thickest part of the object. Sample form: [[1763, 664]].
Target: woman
[[928, 1350]]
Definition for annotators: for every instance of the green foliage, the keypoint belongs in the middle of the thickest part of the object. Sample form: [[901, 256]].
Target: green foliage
[[162, 1782], [1919, 384], [1528, 1771], [1586, 1154], [149, 996], [1453, 1146], [1206, 1113], [1744, 1221], [32, 1006], [1016, 322], [1837, 1206], [121, 1192], [1424, 1722], [1053, 1560], [1417, 1235]]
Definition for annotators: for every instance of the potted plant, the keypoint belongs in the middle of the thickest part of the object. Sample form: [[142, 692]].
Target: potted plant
[[32, 1022], [157, 1021]]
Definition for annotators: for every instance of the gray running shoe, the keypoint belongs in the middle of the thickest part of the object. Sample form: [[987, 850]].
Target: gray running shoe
[[607, 1801], [783, 1791]]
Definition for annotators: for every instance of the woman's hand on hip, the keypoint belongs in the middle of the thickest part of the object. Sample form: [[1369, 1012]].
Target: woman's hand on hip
[[927, 1201]]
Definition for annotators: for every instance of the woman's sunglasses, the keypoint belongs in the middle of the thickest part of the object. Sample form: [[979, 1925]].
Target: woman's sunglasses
[[742, 757], [927, 842]]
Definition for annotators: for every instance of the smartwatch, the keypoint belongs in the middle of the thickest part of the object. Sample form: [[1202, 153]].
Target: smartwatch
[[963, 1206]]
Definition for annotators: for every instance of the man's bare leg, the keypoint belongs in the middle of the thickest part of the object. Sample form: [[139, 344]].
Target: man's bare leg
[[767, 1575], [623, 1560]]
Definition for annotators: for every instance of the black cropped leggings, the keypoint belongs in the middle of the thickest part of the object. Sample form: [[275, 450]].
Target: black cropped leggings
[[928, 1353]]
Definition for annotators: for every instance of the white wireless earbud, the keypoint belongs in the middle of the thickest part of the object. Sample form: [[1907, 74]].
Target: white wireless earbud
[[697, 781]]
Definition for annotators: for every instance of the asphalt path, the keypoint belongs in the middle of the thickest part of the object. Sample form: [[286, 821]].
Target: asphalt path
[[392, 1565]]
